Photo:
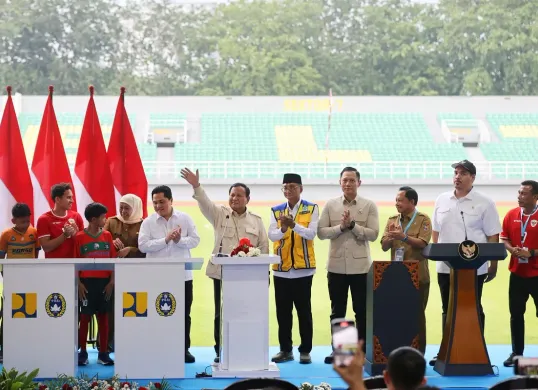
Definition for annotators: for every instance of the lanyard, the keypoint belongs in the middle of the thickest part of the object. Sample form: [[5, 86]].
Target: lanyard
[[524, 225], [410, 222]]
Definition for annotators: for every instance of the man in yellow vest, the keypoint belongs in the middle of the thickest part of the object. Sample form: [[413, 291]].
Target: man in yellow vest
[[292, 230]]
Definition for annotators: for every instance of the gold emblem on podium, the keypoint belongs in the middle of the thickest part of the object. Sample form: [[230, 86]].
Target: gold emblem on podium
[[468, 250]]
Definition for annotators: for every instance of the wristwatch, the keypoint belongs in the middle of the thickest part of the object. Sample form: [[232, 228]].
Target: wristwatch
[[351, 225], [405, 238], [531, 252]]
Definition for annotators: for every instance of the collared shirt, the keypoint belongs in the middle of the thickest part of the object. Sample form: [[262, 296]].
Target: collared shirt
[[153, 232], [421, 228], [229, 228], [475, 213], [308, 233], [349, 251]]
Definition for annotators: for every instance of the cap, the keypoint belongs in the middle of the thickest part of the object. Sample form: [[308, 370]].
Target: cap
[[292, 178], [467, 165]]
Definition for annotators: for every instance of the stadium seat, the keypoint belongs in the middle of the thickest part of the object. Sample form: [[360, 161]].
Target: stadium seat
[[297, 141]]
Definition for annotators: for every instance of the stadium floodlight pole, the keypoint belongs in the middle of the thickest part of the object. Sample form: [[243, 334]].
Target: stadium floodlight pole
[[328, 129]]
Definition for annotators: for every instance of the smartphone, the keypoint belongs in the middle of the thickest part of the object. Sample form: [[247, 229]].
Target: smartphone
[[525, 366], [345, 338]]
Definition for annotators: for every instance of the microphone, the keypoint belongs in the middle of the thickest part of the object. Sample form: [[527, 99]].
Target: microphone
[[219, 254], [464, 227]]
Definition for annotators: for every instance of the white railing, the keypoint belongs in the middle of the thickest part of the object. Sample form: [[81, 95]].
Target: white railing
[[514, 170]]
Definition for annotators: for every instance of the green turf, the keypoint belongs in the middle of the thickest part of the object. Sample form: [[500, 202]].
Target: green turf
[[495, 296]]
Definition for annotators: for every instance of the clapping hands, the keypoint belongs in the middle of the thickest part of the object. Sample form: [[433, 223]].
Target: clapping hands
[[286, 221], [395, 232], [346, 220], [174, 235]]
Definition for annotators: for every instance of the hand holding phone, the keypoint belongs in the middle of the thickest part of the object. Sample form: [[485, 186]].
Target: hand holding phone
[[345, 338]]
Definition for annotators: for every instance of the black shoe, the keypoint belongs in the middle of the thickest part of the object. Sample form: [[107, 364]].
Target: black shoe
[[83, 358], [305, 358], [104, 359], [510, 361], [282, 357], [216, 360], [433, 361], [329, 359], [189, 358]]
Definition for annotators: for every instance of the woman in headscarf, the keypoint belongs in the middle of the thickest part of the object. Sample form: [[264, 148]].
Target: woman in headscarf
[[126, 225], [124, 228]]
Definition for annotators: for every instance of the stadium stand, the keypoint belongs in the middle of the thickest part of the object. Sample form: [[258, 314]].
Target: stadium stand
[[297, 140], [266, 145], [70, 125], [518, 133]]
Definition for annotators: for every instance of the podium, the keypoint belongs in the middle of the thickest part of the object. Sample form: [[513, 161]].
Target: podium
[[393, 309], [150, 317], [41, 315], [245, 318], [463, 349]]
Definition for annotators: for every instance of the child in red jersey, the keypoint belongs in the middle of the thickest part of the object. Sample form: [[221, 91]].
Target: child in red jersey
[[56, 228], [94, 287]]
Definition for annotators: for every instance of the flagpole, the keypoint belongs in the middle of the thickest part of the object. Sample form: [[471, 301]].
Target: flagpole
[[328, 129]]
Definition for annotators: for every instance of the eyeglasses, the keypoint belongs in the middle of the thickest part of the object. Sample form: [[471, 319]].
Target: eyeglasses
[[289, 188]]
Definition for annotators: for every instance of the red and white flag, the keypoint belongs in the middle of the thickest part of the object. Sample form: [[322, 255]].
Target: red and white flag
[[125, 164], [93, 181], [15, 182], [49, 165]]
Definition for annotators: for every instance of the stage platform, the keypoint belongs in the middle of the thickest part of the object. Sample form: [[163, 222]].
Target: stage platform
[[316, 372]]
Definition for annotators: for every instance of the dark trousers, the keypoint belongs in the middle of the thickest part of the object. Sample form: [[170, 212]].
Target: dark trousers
[[339, 284], [519, 290], [424, 292], [290, 292], [218, 305], [444, 286], [188, 305]]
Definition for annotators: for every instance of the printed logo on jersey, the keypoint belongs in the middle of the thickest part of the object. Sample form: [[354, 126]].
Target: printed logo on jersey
[[165, 304], [24, 305], [534, 222], [135, 304], [55, 305]]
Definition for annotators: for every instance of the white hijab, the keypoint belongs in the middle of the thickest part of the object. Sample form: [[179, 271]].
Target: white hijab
[[136, 204]]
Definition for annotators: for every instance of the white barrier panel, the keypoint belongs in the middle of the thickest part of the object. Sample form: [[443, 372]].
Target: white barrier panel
[[245, 318]]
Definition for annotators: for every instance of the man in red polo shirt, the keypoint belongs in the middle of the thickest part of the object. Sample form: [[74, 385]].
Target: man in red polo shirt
[[520, 236], [56, 228]]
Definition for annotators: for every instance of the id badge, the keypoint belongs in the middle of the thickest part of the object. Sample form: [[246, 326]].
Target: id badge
[[399, 256], [523, 260]]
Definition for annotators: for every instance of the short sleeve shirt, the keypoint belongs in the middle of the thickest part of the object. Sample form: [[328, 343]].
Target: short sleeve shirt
[[512, 231], [51, 225], [474, 214]]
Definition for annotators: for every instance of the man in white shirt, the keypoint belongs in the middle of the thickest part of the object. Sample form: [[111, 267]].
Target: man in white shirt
[[170, 233], [292, 230], [462, 214]]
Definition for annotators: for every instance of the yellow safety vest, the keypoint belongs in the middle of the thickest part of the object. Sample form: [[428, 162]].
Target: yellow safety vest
[[295, 251]]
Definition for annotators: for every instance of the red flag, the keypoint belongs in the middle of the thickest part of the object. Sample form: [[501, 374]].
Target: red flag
[[49, 165], [15, 181], [125, 164], [93, 180]]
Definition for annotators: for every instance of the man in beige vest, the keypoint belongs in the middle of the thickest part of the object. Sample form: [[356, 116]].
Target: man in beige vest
[[230, 224]]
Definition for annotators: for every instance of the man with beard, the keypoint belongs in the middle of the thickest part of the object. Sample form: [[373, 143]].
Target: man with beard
[[230, 224], [462, 214]]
